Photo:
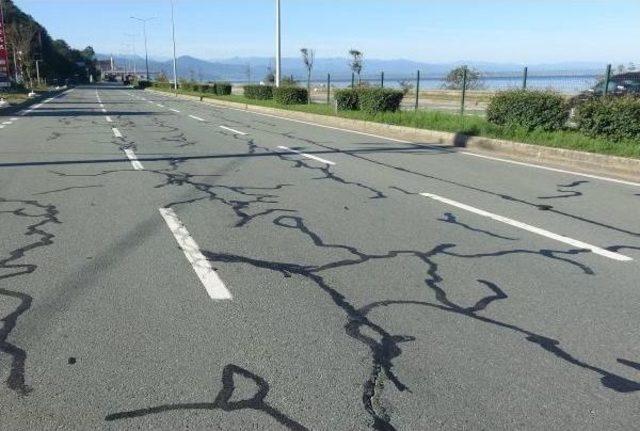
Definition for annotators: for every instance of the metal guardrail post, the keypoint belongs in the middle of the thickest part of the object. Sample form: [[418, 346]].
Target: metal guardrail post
[[328, 88], [353, 80], [525, 75], [417, 90], [607, 80], [464, 90], [382, 79]]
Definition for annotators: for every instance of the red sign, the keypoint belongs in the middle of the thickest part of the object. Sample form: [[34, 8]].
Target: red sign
[[4, 57]]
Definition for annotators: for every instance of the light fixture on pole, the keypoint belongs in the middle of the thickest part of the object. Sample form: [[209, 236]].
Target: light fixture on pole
[[175, 66], [278, 45], [144, 29]]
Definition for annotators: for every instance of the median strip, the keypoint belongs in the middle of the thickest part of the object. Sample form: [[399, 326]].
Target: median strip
[[210, 280], [573, 242], [308, 156]]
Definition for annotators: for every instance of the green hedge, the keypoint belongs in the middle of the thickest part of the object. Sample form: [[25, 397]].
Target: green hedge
[[616, 118], [258, 92], [164, 85], [529, 110], [291, 95], [206, 88], [347, 99], [142, 84], [374, 100], [223, 88]]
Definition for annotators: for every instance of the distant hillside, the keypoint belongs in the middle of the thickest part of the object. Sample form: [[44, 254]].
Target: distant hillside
[[58, 60], [240, 69]]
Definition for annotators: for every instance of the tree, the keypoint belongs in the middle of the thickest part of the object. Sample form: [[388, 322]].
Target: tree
[[405, 86], [308, 58], [454, 79], [631, 67], [23, 38], [356, 63], [162, 76]]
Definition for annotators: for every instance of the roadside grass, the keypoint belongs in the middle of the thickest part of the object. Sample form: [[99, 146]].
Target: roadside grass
[[470, 125]]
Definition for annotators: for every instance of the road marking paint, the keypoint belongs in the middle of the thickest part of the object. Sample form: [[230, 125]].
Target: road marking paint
[[116, 132], [109, 120], [212, 283], [2, 127], [196, 118], [160, 105], [174, 110], [13, 119], [104, 111], [546, 168], [7, 123], [151, 101], [237, 132], [533, 229], [466, 153], [134, 159], [309, 156]]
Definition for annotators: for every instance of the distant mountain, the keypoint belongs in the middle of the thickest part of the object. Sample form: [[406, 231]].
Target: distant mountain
[[242, 69]]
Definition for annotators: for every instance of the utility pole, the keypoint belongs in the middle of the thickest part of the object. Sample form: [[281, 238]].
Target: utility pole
[[175, 64], [278, 45], [144, 30], [38, 71]]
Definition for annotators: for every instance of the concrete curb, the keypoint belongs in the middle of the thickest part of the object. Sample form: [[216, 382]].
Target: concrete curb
[[8, 110], [591, 163]]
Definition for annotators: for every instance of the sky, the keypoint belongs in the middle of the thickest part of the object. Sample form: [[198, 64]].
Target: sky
[[435, 31]]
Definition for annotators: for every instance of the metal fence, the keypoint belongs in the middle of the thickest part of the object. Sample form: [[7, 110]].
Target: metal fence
[[468, 94]]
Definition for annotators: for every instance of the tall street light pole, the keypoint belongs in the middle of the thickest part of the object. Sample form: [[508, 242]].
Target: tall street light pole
[[144, 29], [278, 45], [175, 66]]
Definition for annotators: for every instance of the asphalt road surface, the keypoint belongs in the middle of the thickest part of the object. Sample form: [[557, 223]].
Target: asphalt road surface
[[166, 264]]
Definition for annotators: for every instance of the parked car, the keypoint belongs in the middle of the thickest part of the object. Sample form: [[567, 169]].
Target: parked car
[[623, 84]]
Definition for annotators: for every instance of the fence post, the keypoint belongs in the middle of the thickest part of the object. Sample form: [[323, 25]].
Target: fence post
[[328, 88], [353, 80], [464, 90], [382, 79], [607, 80], [524, 78], [417, 90]]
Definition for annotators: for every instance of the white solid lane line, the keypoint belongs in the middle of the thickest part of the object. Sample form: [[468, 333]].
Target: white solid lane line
[[174, 110], [533, 229], [309, 156], [209, 278], [237, 132], [116, 132], [466, 153], [196, 118], [134, 159], [546, 168]]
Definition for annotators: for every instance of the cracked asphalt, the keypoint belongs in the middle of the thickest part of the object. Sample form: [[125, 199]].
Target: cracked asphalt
[[355, 302]]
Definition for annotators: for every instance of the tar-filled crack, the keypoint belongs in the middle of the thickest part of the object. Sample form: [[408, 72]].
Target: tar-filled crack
[[567, 193], [223, 401], [42, 215], [385, 346]]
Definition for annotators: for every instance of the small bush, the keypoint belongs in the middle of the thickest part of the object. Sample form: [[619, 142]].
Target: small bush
[[258, 92], [291, 95], [207, 88], [347, 99], [616, 118], [163, 85], [374, 100], [529, 110], [142, 84], [223, 88]]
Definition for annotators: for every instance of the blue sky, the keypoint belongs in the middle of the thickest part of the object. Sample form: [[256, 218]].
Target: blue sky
[[520, 31]]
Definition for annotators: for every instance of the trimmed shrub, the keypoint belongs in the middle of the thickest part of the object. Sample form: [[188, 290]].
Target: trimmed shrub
[[142, 84], [258, 92], [530, 110], [616, 118], [290, 95], [347, 99], [207, 88], [223, 88], [163, 85], [374, 100]]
